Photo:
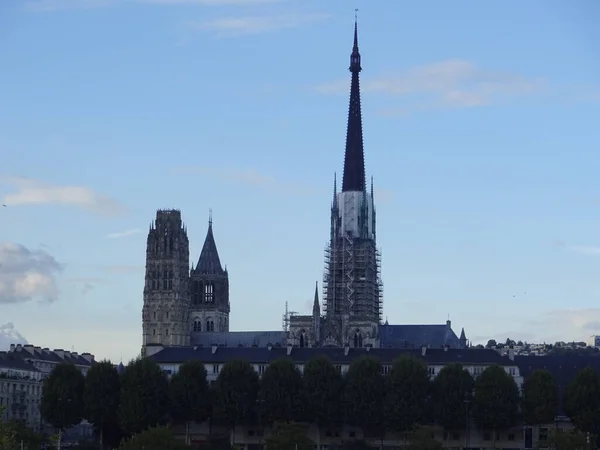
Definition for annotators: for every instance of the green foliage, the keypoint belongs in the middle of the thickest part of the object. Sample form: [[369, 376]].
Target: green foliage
[[288, 436], [324, 390], [407, 397], [144, 396], [62, 397], [496, 400], [281, 392], [423, 438], [450, 389], [582, 401], [364, 394], [22, 433], [8, 436], [102, 396], [563, 440], [236, 392], [540, 398], [158, 438], [356, 445], [188, 392]]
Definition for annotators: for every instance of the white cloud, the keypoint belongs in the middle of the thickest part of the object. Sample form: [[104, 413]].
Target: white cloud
[[584, 249], [27, 274], [61, 5], [122, 234], [238, 26], [10, 335], [34, 192], [445, 84]]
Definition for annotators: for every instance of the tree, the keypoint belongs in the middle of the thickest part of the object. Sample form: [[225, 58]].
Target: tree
[[288, 436], [540, 398], [452, 391], [423, 438], [323, 390], [8, 436], [62, 398], [582, 401], [364, 394], [563, 440], [144, 397], [188, 391], [408, 391], [158, 438], [101, 397], [281, 392], [496, 400], [235, 393], [491, 343]]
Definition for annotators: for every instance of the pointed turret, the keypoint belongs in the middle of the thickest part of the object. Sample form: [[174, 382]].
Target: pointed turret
[[316, 307], [209, 262], [463, 338], [354, 159]]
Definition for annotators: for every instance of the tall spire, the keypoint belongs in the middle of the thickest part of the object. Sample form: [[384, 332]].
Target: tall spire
[[354, 158], [209, 262], [316, 299]]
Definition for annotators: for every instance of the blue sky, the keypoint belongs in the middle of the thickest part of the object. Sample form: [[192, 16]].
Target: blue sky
[[481, 131]]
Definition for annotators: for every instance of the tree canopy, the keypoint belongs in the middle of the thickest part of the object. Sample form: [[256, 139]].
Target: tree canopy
[[188, 390], [496, 399], [102, 397], [324, 390], [407, 397], [144, 397], [364, 394], [156, 438], [452, 392], [540, 398], [62, 402], [288, 436], [281, 392], [236, 392], [582, 401]]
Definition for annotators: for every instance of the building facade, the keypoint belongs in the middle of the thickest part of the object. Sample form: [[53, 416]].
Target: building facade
[[191, 307]]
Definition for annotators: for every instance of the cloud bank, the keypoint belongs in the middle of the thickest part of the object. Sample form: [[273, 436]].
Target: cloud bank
[[122, 234], [27, 274], [10, 335], [34, 192]]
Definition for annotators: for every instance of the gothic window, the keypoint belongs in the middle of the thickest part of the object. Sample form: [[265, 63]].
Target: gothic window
[[170, 244], [170, 280], [167, 332], [303, 341], [197, 325], [209, 296], [358, 342], [210, 324], [167, 314]]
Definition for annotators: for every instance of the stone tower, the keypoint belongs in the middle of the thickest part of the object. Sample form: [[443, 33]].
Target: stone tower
[[165, 314], [209, 284], [352, 284]]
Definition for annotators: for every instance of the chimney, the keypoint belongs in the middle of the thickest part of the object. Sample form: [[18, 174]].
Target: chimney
[[19, 347], [423, 350], [511, 354], [269, 346], [29, 348], [346, 349], [12, 347], [38, 349], [289, 349], [59, 352], [74, 354], [445, 348], [214, 348], [67, 354]]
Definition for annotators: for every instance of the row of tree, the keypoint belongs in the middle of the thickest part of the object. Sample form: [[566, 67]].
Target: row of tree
[[143, 397]]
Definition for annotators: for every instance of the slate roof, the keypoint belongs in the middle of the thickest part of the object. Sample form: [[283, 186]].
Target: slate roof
[[563, 367], [209, 261], [240, 338], [11, 361], [258, 355], [415, 336], [30, 352]]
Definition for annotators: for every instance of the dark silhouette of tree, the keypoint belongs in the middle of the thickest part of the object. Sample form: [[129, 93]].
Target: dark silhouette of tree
[[491, 343], [364, 395], [582, 401], [451, 388], [423, 438], [288, 436], [62, 398], [281, 392], [144, 396], [188, 394], [407, 395], [235, 394], [101, 397], [324, 390], [158, 438], [540, 398], [496, 400], [563, 440]]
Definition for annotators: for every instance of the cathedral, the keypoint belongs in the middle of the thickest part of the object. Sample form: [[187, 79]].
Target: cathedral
[[184, 306]]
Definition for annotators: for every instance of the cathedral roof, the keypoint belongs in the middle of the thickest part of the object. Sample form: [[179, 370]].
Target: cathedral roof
[[411, 336], [354, 159], [209, 262]]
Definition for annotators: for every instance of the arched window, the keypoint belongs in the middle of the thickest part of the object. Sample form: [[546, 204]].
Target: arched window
[[209, 295], [210, 324], [303, 342], [358, 342], [197, 325]]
